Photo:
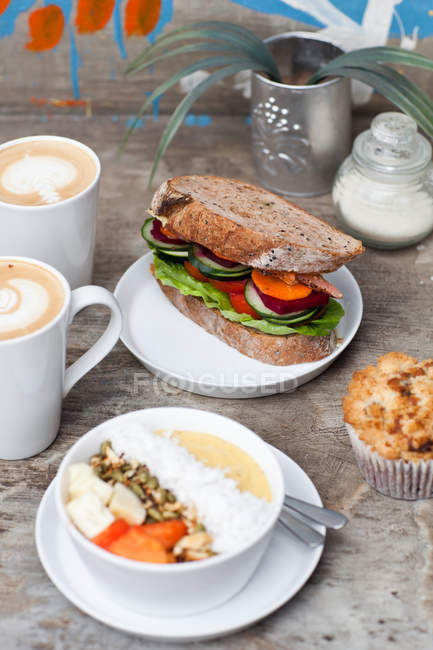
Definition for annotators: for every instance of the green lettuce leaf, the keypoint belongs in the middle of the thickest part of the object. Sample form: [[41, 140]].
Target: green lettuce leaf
[[173, 274]]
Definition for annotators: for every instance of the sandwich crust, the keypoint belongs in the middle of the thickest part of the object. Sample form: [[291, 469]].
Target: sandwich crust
[[275, 350], [251, 225]]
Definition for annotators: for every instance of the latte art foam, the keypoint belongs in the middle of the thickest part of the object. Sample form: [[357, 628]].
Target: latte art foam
[[28, 301], [43, 172], [30, 297], [8, 300], [43, 175]]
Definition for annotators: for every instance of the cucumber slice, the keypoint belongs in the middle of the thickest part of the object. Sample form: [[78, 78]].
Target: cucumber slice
[[212, 269], [181, 254], [172, 249], [306, 315], [171, 256], [255, 301]]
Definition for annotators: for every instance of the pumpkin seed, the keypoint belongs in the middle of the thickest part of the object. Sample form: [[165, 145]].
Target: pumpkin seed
[[104, 447], [143, 476], [160, 496], [155, 514], [152, 483], [117, 475], [171, 498], [138, 490], [169, 515]]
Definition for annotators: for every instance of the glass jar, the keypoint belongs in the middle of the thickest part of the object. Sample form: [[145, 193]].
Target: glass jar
[[383, 191]]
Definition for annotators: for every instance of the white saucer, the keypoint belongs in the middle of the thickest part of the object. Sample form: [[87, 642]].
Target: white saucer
[[285, 568], [180, 352]]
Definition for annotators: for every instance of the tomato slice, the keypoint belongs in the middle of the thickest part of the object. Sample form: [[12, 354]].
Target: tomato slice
[[195, 272], [230, 286], [240, 305]]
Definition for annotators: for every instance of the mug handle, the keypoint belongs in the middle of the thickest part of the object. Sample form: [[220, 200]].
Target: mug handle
[[84, 297]]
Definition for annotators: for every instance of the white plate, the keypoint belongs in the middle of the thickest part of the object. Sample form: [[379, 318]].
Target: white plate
[[182, 353], [287, 565]]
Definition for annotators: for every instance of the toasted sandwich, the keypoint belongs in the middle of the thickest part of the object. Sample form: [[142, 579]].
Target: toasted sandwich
[[246, 265]]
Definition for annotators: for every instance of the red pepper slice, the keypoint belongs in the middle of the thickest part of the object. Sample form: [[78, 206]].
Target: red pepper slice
[[240, 305], [229, 286]]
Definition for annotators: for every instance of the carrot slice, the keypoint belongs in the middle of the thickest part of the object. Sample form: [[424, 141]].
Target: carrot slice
[[168, 233], [223, 257], [111, 533], [134, 545], [278, 288], [167, 532], [195, 272]]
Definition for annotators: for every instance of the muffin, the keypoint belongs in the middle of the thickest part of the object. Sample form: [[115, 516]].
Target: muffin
[[388, 411]]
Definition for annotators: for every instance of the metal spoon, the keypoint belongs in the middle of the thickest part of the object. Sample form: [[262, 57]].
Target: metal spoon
[[303, 532], [328, 518]]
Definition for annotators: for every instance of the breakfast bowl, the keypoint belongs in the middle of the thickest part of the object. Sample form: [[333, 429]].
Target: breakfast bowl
[[220, 446]]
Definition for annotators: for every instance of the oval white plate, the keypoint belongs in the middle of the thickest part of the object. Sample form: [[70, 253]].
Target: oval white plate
[[182, 353], [286, 567]]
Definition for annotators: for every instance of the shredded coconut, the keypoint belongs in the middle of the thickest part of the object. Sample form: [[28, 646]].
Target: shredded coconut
[[232, 517]]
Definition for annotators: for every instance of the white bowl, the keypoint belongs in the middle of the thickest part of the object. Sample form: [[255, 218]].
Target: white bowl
[[185, 588]]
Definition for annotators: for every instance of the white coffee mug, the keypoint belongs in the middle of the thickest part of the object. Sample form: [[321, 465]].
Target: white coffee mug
[[61, 234], [33, 379]]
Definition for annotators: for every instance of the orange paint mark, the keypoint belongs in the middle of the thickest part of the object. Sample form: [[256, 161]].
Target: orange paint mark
[[4, 5], [141, 16], [46, 28], [42, 101], [93, 15]]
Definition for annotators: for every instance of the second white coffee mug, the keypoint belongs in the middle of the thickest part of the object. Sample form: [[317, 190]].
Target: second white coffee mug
[[61, 234], [33, 379]]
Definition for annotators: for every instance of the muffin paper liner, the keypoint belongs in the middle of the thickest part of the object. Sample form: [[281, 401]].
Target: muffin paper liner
[[395, 478]]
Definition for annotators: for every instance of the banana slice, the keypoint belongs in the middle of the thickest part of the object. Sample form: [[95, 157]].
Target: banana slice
[[89, 514], [124, 504], [83, 479]]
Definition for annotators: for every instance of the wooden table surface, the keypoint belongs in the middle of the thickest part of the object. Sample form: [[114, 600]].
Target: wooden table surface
[[373, 588]]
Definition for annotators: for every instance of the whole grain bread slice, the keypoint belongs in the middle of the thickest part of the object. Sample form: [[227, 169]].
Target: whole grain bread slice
[[275, 350], [251, 225]]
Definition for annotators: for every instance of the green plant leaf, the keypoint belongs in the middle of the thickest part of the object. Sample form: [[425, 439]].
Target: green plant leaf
[[249, 48], [241, 38], [184, 49], [248, 35], [405, 85], [358, 58], [404, 94], [170, 38], [216, 25], [395, 87], [193, 67], [182, 109]]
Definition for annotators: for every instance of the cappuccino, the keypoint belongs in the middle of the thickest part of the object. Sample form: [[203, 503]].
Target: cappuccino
[[42, 172], [30, 298]]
